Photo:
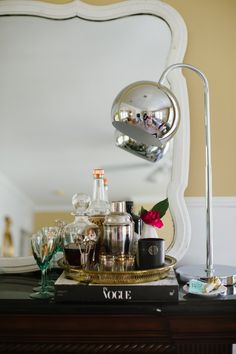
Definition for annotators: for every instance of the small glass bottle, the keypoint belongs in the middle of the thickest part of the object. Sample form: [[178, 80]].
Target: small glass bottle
[[81, 236]]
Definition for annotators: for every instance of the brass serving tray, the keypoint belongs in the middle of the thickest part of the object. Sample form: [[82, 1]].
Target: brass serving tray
[[128, 277]]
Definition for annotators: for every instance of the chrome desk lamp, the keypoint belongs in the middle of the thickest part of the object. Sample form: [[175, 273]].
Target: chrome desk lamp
[[147, 116]]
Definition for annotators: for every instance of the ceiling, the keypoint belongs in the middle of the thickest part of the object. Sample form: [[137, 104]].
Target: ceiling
[[58, 82]]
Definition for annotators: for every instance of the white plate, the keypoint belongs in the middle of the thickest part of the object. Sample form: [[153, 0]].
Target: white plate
[[16, 261], [17, 270], [14, 265], [220, 291], [17, 264]]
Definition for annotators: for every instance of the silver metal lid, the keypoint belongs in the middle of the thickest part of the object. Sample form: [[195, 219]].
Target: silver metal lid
[[118, 215], [118, 207]]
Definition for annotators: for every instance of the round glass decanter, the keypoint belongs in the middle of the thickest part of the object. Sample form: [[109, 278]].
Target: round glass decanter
[[81, 236]]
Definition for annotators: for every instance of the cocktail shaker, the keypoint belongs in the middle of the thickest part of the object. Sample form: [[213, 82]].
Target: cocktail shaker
[[118, 231]]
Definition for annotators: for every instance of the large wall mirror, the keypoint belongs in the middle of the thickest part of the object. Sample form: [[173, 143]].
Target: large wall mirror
[[61, 66]]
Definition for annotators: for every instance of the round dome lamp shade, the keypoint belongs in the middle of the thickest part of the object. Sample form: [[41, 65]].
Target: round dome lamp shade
[[148, 152], [146, 112]]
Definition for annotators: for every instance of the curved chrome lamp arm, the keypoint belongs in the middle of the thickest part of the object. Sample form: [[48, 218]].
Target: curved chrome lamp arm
[[208, 167]]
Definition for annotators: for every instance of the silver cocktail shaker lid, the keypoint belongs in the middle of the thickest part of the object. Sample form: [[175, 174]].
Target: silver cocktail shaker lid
[[118, 214], [118, 207]]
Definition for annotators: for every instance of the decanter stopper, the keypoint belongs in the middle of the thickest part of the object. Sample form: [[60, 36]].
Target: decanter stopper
[[80, 202]]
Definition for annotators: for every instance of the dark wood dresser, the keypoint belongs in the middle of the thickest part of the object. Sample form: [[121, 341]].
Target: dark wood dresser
[[192, 326]]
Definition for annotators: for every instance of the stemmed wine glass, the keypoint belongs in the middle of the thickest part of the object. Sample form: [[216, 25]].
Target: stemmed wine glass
[[60, 226], [44, 244]]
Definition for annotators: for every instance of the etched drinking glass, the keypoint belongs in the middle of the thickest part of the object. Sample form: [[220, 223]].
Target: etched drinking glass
[[52, 231], [57, 231], [44, 244]]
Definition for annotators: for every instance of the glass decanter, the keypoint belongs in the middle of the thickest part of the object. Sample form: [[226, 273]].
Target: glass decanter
[[99, 205], [81, 236]]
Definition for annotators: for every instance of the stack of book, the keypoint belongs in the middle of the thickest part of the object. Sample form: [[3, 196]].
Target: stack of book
[[164, 290]]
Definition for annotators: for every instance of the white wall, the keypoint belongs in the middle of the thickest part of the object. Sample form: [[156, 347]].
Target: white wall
[[19, 208], [224, 231]]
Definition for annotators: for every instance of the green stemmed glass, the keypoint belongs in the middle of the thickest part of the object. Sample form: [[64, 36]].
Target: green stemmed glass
[[44, 244], [59, 231], [53, 231]]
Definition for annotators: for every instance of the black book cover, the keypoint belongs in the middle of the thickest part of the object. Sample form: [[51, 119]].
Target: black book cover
[[164, 290]]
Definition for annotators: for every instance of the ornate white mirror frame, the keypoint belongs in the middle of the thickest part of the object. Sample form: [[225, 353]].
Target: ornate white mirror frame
[[181, 144]]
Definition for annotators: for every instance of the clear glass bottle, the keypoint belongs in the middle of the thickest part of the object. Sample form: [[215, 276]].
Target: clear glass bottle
[[106, 189], [99, 206], [81, 236]]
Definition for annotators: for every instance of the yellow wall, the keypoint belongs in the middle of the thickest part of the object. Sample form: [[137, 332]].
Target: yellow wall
[[211, 47], [211, 28], [48, 218]]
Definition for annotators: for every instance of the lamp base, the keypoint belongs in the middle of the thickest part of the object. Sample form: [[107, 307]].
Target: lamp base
[[227, 274]]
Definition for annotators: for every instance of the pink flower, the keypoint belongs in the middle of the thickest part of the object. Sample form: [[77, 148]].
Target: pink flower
[[152, 217]]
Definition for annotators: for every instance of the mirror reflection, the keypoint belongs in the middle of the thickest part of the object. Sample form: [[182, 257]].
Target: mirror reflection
[[58, 82]]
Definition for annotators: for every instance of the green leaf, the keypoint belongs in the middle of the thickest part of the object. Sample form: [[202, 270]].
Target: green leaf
[[142, 210], [161, 207]]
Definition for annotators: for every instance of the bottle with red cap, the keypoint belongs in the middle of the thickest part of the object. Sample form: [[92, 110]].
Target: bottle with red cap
[[99, 204]]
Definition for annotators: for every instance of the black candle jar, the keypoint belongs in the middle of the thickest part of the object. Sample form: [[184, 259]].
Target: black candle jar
[[151, 253]]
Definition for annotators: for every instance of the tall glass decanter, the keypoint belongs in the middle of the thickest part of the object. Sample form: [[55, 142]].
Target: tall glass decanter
[[99, 204], [81, 236]]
